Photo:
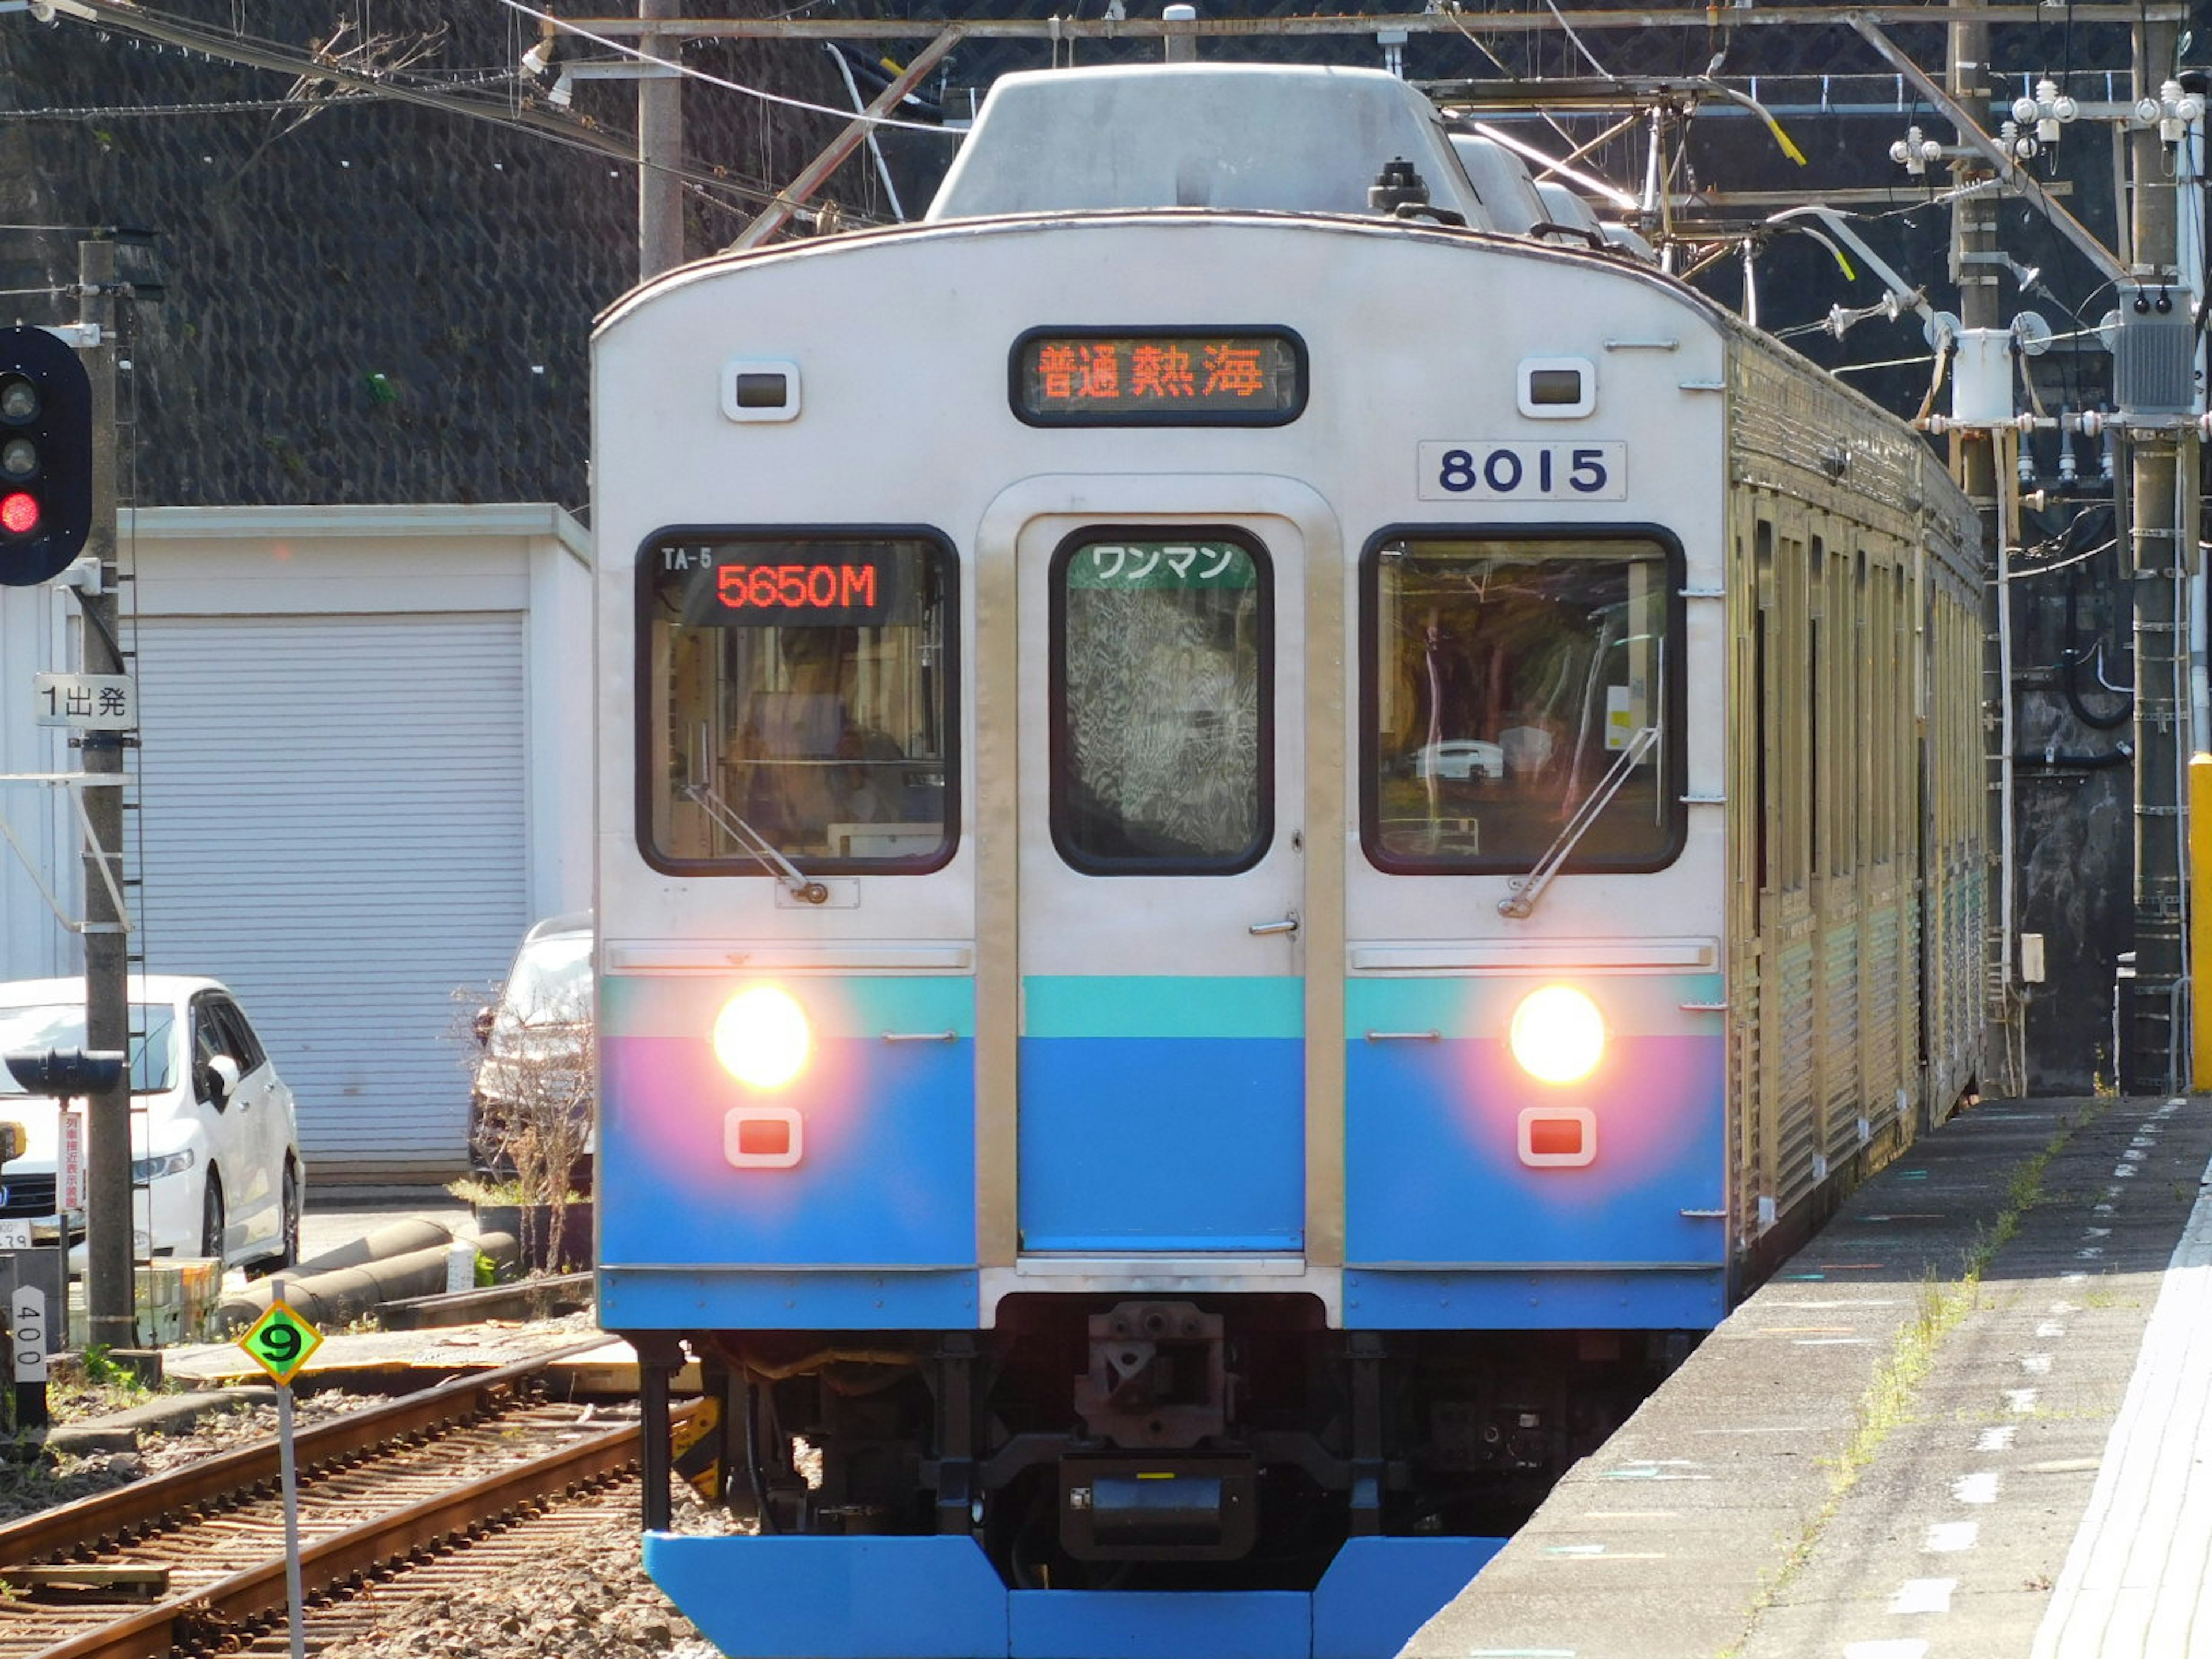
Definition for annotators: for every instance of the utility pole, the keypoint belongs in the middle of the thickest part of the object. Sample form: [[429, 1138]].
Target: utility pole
[[110, 1293], [2156, 563], [1975, 462], [659, 147]]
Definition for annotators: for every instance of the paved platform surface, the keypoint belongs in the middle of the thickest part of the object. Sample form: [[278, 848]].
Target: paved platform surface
[[1876, 1457]]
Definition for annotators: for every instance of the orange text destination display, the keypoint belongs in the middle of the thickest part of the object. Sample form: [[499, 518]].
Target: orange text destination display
[[1175, 377]]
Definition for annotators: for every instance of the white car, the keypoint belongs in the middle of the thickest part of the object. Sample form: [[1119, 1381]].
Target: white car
[[1459, 758], [215, 1143]]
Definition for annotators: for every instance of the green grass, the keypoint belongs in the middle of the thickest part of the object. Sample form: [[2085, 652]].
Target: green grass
[[1892, 1395]]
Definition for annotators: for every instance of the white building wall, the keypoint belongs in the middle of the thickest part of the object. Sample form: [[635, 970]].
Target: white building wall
[[34, 634], [366, 770]]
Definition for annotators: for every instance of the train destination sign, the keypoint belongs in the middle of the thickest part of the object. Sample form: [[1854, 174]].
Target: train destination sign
[[766, 584], [1161, 377]]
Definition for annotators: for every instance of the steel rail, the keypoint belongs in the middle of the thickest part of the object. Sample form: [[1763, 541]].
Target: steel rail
[[205, 1617], [141, 1505]]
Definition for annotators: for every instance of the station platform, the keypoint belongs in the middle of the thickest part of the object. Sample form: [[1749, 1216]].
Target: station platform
[[1971, 1419]]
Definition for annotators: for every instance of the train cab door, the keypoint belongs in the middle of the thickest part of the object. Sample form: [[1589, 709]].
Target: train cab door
[[1160, 1048]]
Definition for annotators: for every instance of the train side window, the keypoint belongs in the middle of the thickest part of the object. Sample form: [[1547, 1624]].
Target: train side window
[[1523, 693], [1862, 761], [1162, 704], [1762, 691], [797, 701]]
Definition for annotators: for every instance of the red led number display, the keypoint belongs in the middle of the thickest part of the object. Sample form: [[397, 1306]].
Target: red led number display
[[796, 586]]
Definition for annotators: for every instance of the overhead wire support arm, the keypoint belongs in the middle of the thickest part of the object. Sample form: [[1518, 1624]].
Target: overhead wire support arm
[[2108, 264], [1448, 18], [779, 213], [1904, 295]]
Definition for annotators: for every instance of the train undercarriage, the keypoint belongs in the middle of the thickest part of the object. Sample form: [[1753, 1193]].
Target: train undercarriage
[[1128, 1445]]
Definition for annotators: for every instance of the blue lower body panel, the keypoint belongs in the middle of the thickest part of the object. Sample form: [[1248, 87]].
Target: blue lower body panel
[[756, 1299], [1535, 1300], [1166, 1144], [938, 1598]]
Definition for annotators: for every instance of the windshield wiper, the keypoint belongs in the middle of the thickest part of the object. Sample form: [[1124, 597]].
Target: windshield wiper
[[1527, 888], [759, 847]]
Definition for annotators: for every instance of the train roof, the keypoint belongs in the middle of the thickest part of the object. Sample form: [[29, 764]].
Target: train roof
[[1296, 139]]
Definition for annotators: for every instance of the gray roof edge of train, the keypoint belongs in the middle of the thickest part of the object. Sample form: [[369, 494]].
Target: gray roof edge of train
[[1302, 137], [713, 266]]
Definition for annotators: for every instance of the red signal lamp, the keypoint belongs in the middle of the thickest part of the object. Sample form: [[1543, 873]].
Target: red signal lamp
[[19, 513]]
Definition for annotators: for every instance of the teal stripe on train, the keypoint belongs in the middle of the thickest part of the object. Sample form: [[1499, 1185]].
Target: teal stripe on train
[[1162, 1006], [854, 1005], [1482, 1005]]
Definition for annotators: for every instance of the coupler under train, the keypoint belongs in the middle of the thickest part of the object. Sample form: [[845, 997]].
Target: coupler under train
[[1145, 1478]]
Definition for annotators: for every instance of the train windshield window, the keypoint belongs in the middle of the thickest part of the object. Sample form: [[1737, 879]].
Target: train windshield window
[[796, 702], [1519, 696], [1161, 703]]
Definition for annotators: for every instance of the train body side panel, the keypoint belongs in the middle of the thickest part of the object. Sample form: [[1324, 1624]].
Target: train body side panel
[[1160, 1114], [1478, 1196], [1448, 1160], [872, 1223]]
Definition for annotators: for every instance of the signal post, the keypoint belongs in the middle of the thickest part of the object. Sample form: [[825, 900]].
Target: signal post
[[110, 1295], [58, 470]]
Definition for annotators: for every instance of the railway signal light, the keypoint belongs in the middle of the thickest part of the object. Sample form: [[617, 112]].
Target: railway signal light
[[66, 1073], [46, 456]]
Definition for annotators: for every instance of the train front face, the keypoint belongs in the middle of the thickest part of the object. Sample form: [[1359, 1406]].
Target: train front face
[[1158, 985]]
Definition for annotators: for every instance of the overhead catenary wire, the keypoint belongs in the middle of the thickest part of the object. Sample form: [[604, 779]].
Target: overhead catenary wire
[[690, 73], [164, 32]]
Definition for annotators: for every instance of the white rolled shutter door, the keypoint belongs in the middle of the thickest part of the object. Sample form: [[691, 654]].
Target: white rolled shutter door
[[334, 824]]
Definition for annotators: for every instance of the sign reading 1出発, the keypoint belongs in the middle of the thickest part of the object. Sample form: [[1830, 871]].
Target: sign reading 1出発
[[91, 702], [280, 1342]]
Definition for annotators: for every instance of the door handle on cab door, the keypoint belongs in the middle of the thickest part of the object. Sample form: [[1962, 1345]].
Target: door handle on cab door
[[1287, 925]]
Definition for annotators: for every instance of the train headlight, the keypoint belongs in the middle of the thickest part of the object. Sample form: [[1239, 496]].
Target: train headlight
[[1558, 1035], [761, 1037]]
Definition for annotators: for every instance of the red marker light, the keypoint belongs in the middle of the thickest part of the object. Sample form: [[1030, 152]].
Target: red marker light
[[19, 513]]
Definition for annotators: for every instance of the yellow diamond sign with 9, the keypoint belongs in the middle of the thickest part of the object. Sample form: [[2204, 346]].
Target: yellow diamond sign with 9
[[280, 1342]]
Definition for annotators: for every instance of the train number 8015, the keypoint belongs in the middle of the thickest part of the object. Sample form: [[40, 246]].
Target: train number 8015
[[1504, 470]]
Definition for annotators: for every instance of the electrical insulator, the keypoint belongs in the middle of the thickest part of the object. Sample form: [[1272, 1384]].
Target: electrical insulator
[[2017, 144], [2173, 112], [2048, 110], [2027, 463], [1915, 151]]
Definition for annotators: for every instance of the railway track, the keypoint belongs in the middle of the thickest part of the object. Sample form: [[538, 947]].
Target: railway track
[[383, 1492]]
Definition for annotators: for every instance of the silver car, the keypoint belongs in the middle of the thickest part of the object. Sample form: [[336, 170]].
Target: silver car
[[537, 1041]]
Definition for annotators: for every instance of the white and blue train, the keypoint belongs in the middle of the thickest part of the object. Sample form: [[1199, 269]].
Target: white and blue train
[[1263, 829]]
